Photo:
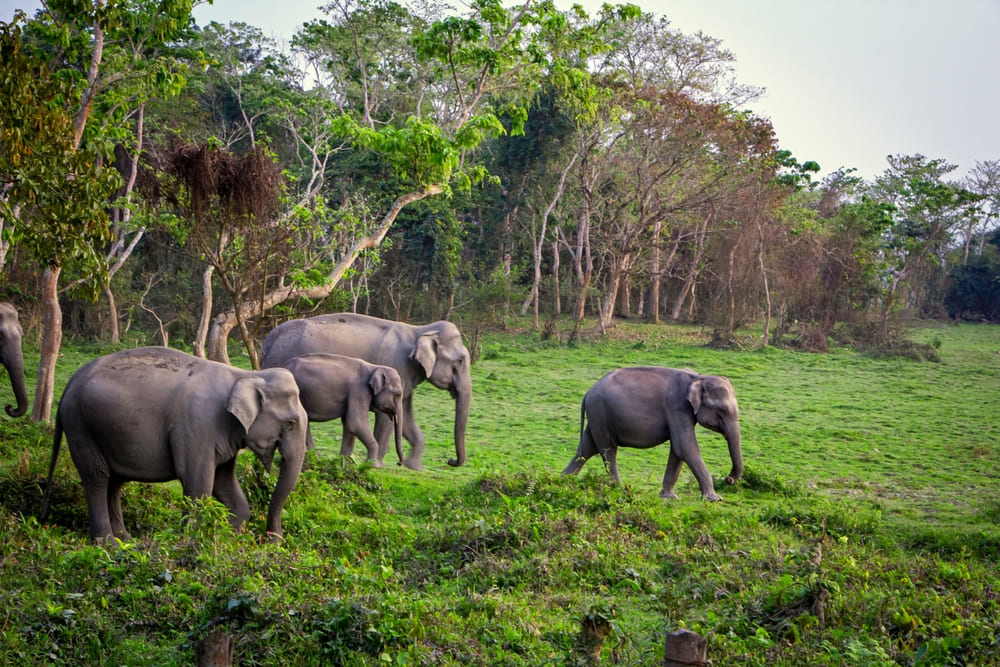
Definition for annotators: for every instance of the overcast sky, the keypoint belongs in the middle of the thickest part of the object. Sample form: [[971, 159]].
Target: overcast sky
[[847, 82]]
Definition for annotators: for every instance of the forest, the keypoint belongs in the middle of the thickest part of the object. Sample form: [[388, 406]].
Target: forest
[[575, 192], [414, 164]]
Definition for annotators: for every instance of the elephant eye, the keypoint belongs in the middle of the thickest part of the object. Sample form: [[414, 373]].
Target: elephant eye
[[289, 425]]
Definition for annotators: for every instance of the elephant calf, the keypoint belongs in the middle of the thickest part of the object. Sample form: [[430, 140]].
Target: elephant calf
[[332, 386], [645, 406], [155, 414]]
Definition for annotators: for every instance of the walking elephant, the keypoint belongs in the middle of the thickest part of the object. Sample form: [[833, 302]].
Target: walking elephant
[[431, 352], [332, 386], [10, 357], [645, 406], [155, 414]]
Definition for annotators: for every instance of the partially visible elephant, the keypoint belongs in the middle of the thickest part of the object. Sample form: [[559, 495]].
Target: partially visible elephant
[[154, 414], [10, 357], [645, 406], [332, 386], [431, 352]]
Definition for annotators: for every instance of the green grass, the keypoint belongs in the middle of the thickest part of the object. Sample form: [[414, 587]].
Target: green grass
[[866, 530]]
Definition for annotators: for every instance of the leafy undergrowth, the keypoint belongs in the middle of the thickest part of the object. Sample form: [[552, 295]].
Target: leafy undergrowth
[[835, 559]]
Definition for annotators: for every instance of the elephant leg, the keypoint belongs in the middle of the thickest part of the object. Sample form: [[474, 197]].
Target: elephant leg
[[227, 491], [671, 475], [95, 475], [310, 445], [357, 423], [347, 443], [584, 451], [115, 508], [610, 456], [689, 452], [411, 431]]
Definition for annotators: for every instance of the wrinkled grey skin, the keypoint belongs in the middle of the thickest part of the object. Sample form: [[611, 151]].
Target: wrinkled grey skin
[[643, 407], [10, 357], [431, 352], [332, 386], [155, 414]]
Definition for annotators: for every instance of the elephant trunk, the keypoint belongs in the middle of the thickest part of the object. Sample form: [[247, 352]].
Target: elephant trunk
[[732, 435], [14, 363], [397, 420], [463, 399], [293, 451]]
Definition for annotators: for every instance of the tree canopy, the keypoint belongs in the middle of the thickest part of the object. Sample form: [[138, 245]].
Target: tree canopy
[[417, 163]]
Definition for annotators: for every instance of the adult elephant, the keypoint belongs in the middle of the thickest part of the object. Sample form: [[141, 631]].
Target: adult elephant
[[155, 414], [332, 386], [432, 352], [645, 406], [10, 357]]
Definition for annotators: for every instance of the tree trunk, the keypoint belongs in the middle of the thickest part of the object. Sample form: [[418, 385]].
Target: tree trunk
[[767, 291], [731, 290], [583, 263], [116, 336], [655, 269], [692, 276], [556, 296], [206, 312], [218, 337], [51, 341]]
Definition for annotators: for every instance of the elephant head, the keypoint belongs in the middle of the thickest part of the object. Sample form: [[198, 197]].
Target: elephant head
[[10, 357], [387, 397], [447, 364], [267, 406], [714, 403]]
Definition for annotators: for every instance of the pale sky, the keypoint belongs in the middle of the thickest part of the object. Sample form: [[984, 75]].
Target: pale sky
[[847, 82]]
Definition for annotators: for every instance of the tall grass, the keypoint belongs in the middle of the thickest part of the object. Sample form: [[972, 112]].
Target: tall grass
[[864, 532]]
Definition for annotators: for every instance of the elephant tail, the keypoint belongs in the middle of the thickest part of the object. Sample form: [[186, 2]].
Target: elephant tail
[[583, 414], [56, 442]]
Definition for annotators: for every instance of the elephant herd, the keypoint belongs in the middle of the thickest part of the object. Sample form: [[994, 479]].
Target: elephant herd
[[156, 414]]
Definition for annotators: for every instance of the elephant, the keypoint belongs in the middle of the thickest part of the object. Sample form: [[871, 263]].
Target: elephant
[[10, 357], [431, 352], [155, 414], [644, 406], [332, 386]]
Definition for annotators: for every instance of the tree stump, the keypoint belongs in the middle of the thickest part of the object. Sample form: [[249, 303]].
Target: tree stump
[[684, 648], [215, 650]]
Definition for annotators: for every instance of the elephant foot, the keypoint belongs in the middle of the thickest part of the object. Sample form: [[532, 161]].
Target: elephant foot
[[711, 497], [670, 495], [413, 464], [375, 463]]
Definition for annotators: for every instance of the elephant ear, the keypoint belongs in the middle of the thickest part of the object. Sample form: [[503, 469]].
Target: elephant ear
[[425, 351], [694, 394], [245, 400], [377, 381]]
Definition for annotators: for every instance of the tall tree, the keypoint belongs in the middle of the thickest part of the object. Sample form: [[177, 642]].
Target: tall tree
[[927, 209], [87, 48]]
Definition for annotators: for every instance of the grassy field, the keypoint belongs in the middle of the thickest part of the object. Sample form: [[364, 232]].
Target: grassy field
[[866, 530]]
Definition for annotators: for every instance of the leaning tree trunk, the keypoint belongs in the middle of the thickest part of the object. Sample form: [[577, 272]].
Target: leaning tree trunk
[[224, 322], [51, 341]]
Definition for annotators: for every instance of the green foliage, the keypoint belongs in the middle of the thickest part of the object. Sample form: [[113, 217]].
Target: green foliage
[[61, 189]]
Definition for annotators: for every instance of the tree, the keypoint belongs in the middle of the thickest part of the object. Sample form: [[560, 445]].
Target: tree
[[984, 181], [927, 209], [82, 49], [54, 188]]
